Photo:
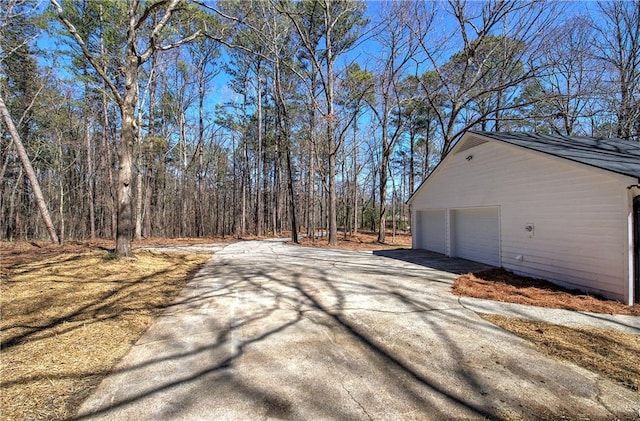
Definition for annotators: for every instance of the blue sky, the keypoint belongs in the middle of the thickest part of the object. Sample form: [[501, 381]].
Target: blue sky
[[365, 53]]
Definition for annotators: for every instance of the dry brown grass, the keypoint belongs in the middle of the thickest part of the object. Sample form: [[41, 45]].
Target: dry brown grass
[[68, 315], [611, 353], [501, 285], [361, 241]]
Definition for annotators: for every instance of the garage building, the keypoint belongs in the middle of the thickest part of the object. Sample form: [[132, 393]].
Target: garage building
[[565, 209]]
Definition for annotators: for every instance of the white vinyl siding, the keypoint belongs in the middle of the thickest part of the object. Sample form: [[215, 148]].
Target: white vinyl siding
[[476, 234], [579, 214], [432, 231]]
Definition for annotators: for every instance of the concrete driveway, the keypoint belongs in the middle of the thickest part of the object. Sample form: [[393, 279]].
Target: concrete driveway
[[271, 331]]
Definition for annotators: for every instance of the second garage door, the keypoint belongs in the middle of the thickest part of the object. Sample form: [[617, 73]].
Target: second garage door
[[475, 234]]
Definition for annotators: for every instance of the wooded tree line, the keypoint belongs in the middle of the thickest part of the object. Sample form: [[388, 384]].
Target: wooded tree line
[[179, 118]]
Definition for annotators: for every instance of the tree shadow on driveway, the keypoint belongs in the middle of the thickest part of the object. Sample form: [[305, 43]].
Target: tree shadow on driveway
[[274, 331]]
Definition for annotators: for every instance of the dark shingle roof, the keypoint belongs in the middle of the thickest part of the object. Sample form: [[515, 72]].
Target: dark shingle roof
[[616, 155]]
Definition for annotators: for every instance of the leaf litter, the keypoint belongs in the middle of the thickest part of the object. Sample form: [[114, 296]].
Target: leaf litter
[[68, 315]]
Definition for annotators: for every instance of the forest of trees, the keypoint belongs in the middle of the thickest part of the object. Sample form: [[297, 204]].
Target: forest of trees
[[190, 118]]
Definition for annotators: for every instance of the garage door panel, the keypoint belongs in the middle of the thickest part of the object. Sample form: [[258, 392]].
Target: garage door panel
[[476, 234], [432, 232]]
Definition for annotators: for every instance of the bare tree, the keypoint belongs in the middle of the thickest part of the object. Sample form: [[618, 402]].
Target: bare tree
[[20, 78], [563, 96], [398, 51], [618, 45], [28, 169], [135, 54], [357, 94], [340, 25], [496, 43]]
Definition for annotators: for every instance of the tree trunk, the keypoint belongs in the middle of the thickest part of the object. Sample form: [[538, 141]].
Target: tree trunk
[[245, 164], [373, 199], [200, 148], [61, 197], [139, 180], [11, 228], [294, 224], [331, 140], [277, 187], [384, 164], [90, 172], [146, 213], [149, 150], [125, 159], [412, 162], [259, 206], [245, 181], [106, 144], [383, 198], [28, 169], [311, 205], [139, 199], [108, 164], [355, 175], [283, 117]]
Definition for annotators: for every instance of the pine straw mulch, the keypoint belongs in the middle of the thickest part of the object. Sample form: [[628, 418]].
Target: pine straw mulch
[[18, 252], [613, 354], [70, 313], [360, 241], [501, 285]]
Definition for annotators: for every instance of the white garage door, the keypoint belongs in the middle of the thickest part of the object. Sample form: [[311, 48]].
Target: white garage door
[[432, 230], [476, 234]]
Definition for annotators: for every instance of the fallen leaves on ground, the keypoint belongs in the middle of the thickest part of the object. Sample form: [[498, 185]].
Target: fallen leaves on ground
[[361, 241], [501, 285], [614, 354], [69, 314]]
